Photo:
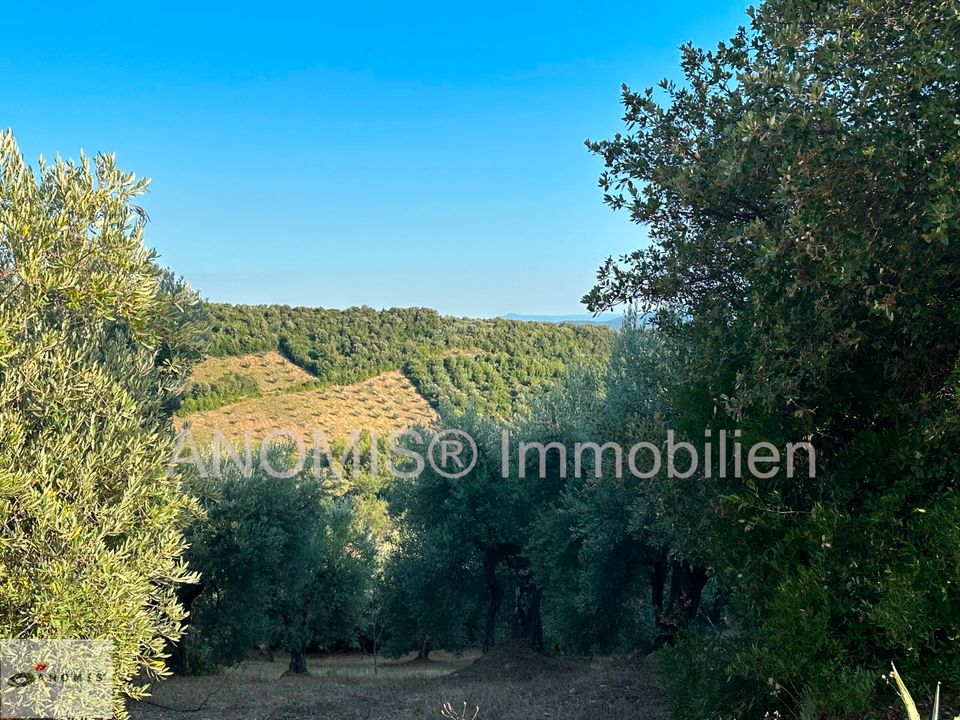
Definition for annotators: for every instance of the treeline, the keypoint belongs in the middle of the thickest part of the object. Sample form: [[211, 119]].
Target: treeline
[[225, 390], [436, 563], [577, 559], [456, 362]]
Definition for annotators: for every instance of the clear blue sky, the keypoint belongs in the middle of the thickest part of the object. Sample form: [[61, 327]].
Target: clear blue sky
[[331, 155]]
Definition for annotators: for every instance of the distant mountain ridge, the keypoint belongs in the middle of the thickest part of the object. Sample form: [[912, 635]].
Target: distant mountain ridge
[[612, 321]]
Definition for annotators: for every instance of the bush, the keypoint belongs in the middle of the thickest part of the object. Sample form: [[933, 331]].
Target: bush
[[698, 680], [223, 391]]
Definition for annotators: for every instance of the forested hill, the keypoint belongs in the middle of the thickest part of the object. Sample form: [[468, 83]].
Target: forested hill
[[453, 361]]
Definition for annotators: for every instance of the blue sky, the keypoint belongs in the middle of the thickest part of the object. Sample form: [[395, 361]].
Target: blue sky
[[361, 153]]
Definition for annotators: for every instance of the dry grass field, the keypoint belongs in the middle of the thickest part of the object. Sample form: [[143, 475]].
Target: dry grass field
[[509, 683], [273, 372], [384, 403]]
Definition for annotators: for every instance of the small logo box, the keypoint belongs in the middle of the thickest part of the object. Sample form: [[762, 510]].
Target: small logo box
[[56, 679]]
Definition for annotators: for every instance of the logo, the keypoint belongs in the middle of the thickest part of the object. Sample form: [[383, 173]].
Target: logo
[[56, 678], [22, 679]]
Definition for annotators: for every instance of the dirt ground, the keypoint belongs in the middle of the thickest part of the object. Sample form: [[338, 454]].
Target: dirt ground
[[508, 683]]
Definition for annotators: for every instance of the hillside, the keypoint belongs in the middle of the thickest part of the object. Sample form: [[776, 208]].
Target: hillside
[[452, 362], [384, 403], [270, 370], [219, 381]]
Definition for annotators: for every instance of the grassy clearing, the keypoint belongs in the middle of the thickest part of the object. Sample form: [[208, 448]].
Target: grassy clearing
[[272, 371], [384, 403], [503, 685]]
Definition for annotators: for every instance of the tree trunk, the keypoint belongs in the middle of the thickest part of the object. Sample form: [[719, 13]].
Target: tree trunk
[[686, 586], [685, 594], [298, 662], [490, 562], [658, 580], [528, 624], [180, 652]]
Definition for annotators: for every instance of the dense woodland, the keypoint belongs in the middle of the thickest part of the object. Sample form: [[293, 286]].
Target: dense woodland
[[800, 193]]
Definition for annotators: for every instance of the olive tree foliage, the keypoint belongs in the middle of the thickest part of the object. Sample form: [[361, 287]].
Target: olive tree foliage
[[283, 564], [573, 557], [615, 571], [94, 340], [433, 594], [460, 573], [800, 191]]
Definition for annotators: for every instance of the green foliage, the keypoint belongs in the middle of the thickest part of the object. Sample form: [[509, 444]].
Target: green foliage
[[432, 594], [94, 341], [496, 383], [800, 191], [452, 531], [282, 564], [182, 327], [696, 677], [583, 551], [225, 390], [593, 566], [601, 548]]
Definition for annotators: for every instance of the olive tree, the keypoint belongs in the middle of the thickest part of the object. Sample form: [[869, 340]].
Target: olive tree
[[92, 340], [284, 564]]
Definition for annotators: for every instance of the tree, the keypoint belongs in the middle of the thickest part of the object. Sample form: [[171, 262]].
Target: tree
[[468, 535], [91, 349], [283, 565], [590, 562], [800, 191], [433, 595], [617, 572]]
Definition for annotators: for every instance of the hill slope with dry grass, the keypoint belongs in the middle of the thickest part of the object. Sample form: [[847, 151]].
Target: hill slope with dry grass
[[384, 403], [491, 365], [272, 371]]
